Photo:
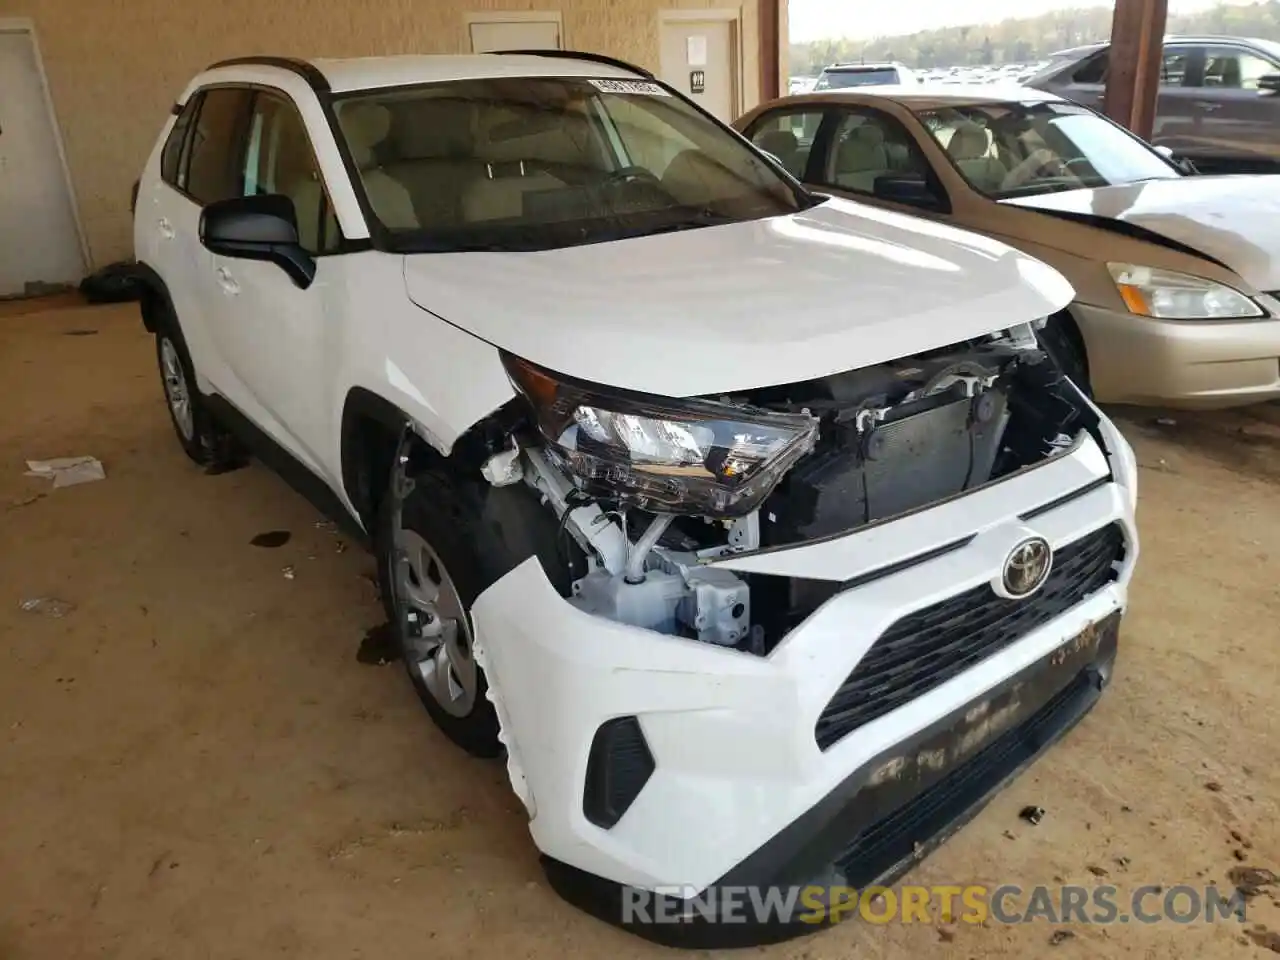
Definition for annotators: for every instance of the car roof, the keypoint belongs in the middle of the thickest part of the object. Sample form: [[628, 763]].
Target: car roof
[[1172, 38], [369, 73], [929, 96], [853, 67]]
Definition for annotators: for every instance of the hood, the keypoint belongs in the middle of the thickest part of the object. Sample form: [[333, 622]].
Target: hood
[[1234, 220], [739, 306]]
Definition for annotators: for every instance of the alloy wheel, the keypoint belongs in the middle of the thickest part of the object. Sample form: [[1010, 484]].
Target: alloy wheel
[[437, 634]]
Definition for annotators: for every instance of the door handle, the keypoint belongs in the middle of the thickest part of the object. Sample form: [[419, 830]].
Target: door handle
[[165, 228], [1208, 106], [227, 282]]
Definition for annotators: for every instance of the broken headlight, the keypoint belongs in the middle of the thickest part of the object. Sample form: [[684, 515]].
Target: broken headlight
[[664, 455]]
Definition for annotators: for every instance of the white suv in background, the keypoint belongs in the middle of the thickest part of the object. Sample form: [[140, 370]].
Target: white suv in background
[[752, 527]]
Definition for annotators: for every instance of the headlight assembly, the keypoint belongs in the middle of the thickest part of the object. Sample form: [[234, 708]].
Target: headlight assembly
[[665, 455], [1169, 295]]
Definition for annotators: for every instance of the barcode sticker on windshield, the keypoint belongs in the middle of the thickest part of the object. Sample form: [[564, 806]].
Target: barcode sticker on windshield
[[642, 87]]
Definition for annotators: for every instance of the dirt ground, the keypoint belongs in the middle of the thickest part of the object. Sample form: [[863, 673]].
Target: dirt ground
[[193, 763]]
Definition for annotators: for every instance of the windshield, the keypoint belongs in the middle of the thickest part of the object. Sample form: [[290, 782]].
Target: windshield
[[535, 163], [842, 79], [1022, 149]]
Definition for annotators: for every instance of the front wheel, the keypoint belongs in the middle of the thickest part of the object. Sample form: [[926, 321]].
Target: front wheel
[[432, 567]]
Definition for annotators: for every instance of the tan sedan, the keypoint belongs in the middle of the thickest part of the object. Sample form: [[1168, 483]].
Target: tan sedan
[[1177, 277]]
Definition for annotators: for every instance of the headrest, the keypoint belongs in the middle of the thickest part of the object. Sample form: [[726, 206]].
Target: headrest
[[870, 133], [781, 143], [365, 125], [857, 154], [969, 142]]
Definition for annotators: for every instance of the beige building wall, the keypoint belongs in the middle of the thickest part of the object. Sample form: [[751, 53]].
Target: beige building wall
[[115, 66]]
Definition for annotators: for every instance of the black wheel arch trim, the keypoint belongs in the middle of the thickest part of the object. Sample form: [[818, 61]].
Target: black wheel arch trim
[[363, 406], [153, 284]]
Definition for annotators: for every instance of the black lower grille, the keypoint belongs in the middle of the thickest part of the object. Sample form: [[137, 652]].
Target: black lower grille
[[929, 647]]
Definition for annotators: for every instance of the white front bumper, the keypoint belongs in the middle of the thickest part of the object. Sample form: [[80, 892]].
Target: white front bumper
[[732, 734]]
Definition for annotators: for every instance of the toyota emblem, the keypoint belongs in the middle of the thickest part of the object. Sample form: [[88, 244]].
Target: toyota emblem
[[1027, 567]]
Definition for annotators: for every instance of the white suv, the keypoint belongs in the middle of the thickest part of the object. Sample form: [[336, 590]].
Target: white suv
[[752, 527]]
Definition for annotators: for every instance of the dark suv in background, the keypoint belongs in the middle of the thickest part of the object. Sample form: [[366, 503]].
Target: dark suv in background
[[1219, 101]]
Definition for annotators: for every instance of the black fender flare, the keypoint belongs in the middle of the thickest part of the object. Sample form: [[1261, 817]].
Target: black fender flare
[[154, 291], [362, 487]]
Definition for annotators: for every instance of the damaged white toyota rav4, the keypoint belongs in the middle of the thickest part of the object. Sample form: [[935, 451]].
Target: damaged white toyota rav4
[[753, 528]]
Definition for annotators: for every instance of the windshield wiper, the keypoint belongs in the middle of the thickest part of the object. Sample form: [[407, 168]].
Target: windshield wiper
[[704, 218]]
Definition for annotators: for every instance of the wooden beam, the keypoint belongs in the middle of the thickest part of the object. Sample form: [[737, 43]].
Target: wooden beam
[[1133, 75], [770, 49]]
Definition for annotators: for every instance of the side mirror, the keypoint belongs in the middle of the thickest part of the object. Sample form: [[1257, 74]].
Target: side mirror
[[1269, 83], [258, 228], [1183, 165], [906, 189]]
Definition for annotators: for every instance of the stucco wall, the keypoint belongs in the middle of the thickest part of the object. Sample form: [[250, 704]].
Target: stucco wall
[[115, 66]]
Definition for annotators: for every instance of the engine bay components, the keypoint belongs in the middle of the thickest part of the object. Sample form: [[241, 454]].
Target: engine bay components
[[653, 491]]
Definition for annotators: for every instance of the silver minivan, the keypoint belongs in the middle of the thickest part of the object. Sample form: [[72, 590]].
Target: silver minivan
[[1219, 100]]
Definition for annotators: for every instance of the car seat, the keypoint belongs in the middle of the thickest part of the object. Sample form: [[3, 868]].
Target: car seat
[[783, 145], [861, 158], [365, 126], [969, 149]]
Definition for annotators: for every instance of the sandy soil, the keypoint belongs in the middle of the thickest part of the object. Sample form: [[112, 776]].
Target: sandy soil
[[193, 763]]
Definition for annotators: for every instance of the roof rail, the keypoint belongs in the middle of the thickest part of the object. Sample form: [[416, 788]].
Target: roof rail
[[579, 55], [308, 71]]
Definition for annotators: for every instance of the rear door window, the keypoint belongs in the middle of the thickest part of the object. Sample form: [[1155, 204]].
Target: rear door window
[[789, 135], [214, 170]]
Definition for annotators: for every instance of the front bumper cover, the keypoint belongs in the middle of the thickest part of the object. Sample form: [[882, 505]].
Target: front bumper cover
[[736, 764], [883, 819]]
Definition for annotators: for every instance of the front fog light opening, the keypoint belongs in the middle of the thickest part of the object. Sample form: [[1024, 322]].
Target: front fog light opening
[[619, 765]]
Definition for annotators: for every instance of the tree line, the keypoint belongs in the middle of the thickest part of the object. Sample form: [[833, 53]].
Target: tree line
[[1024, 40]]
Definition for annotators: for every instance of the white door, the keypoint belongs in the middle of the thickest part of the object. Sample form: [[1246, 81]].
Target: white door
[[699, 59], [38, 238], [277, 339], [490, 35]]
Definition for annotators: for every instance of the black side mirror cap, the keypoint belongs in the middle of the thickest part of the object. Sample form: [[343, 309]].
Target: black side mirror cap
[[258, 228], [1270, 83]]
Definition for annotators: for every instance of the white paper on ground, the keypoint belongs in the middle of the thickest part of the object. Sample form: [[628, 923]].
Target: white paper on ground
[[67, 471]]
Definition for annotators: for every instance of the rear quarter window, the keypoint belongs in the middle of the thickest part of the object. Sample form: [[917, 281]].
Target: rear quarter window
[[172, 160]]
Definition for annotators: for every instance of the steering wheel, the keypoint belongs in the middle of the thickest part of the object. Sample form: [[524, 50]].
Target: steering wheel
[[637, 186], [633, 174], [1053, 167]]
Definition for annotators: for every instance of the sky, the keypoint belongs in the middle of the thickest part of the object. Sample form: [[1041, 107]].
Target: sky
[[819, 19]]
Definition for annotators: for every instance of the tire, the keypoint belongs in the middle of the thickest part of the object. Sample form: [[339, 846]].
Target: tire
[[201, 437], [1065, 346], [437, 525], [477, 534]]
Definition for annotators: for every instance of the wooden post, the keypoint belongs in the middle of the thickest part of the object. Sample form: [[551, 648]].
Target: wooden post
[[770, 19], [1133, 75]]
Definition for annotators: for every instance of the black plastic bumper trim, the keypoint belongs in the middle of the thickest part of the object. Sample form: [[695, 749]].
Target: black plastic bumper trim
[[619, 764], [873, 828]]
